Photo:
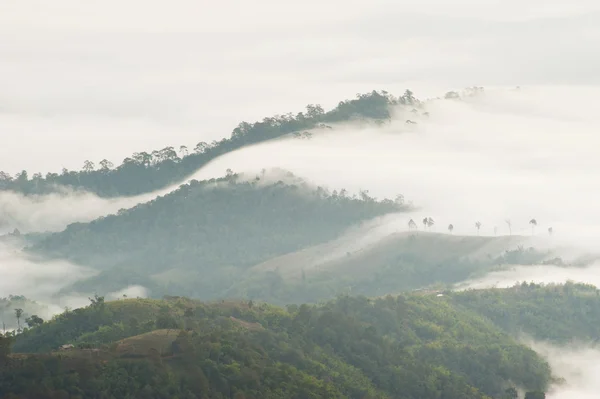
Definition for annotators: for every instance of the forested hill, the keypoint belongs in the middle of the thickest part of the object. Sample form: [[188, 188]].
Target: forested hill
[[149, 171], [200, 239], [405, 347]]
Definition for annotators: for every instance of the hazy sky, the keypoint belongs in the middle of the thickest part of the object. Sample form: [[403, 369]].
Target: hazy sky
[[104, 78]]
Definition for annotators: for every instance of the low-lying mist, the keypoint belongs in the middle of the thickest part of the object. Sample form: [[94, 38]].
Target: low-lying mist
[[577, 365], [41, 280], [510, 154]]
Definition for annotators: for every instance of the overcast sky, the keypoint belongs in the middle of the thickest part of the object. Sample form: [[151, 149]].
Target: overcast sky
[[100, 79]]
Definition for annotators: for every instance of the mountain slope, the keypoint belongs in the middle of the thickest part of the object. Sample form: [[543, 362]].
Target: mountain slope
[[145, 172], [200, 239], [367, 262], [555, 313], [406, 347]]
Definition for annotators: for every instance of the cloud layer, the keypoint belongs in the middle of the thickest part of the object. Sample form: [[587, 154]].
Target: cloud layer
[[100, 80]]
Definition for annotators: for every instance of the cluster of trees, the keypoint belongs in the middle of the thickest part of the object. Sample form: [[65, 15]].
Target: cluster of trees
[[407, 347], [428, 222], [17, 312], [555, 313], [149, 171], [200, 239]]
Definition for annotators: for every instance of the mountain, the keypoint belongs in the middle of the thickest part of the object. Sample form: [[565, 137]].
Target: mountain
[[410, 346], [146, 172], [204, 237]]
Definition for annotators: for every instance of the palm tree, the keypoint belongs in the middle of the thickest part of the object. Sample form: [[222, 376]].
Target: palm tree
[[19, 313], [450, 228], [425, 223], [509, 224], [533, 223], [478, 225]]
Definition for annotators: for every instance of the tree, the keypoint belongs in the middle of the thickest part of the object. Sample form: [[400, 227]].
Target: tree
[[19, 314], [142, 158], [34, 321], [88, 166], [509, 224], [478, 225], [412, 224], [408, 98], [201, 147], [550, 231], [533, 223], [106, 165], [183, 151], [511, 393], [430, 222], [5, 177], [451, 228], [314, 111]]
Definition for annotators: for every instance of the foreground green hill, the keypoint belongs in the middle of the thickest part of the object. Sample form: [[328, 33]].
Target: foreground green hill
[[201, 239], [409, 346]]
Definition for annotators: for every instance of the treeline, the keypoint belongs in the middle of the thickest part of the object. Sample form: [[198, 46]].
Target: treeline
[[200, 239], [406, 347], [149, 171]]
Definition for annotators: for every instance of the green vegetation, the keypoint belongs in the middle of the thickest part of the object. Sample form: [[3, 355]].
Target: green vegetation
[[201, 239], [29, 311], [410, 346], [149, 171], [398, 263], [555, 313]]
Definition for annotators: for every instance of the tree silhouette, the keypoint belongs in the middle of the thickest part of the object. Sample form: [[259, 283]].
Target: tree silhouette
[[425, 223], [478, 225], [509, 224], [550, 231], [430, 222], [533, 223], [19, 313], [88, 166], [34, 321], [106, 165], [450, 228], [412, 224]]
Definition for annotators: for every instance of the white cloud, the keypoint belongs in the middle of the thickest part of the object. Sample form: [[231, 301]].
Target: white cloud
[[101, 79]]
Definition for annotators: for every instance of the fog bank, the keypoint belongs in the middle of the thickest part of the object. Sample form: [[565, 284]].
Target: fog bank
[[578, 365], [506, 155]]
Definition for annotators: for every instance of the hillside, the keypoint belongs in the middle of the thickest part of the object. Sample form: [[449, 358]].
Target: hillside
[[554, 313], [200, 239], [409, 347], [145, 172], [394, 263]]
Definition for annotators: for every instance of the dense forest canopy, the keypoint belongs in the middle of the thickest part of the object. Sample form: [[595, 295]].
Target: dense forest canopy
[[200, 239], [149, 171], [410, 346]]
